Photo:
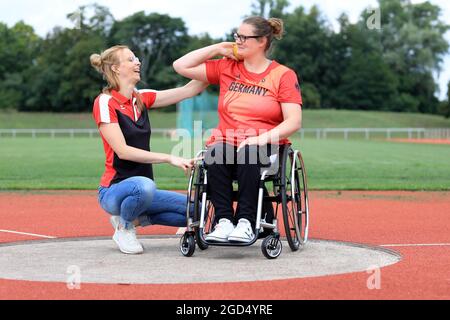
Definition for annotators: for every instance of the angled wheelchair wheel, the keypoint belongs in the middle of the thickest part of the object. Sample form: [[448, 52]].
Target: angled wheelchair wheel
[[294, 195], [209, 209], [187, 244], [271, 247]]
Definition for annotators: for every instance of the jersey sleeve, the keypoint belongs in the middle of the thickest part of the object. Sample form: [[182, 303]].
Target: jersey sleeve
[[148, 97], [104, 110], [214, 68], [289, 90]]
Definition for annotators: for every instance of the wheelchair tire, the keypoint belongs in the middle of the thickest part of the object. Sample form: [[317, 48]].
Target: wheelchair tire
[[197, 208], [294, 198], [187, 245], [271, 247]]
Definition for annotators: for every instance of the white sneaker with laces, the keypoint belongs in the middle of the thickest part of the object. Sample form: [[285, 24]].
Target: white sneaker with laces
[[127, 241], [243, 232], [221, 231]]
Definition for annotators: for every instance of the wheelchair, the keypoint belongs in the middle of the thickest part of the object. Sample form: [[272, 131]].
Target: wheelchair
[[289, 192]]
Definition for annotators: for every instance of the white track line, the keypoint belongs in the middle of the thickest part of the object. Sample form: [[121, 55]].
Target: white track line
[[417, 245], [28, 234], [181, 231]]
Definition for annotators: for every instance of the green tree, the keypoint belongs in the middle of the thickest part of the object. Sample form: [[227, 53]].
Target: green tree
[[80, 82], [61, 79], [18, 47], [413, 44], [306, 48], [367, 82], [310, 96], [356, 65]]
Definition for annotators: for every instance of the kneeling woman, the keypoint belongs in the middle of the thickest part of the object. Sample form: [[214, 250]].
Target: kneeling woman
[[127, 190]]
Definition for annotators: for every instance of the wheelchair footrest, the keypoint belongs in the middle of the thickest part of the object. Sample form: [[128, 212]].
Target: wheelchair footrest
[[267, 225]]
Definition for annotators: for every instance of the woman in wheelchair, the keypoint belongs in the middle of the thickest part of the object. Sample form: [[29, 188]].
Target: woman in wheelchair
[[259, 108], [225, 163]]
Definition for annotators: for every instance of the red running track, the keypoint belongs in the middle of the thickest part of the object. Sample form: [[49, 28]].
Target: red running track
[[416, 224]]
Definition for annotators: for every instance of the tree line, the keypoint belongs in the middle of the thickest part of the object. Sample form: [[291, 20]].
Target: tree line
[[359, 67]]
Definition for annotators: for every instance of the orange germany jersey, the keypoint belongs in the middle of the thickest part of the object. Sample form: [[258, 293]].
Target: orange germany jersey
[[250, 103]]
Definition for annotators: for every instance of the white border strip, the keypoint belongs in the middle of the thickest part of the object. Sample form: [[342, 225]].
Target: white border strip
[[28, 234], [417, 245]]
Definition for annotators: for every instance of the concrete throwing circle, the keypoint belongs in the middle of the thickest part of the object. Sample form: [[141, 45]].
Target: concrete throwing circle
[[99, 261]]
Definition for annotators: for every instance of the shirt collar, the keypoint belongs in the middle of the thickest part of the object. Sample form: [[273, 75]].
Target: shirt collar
[[119, 97]]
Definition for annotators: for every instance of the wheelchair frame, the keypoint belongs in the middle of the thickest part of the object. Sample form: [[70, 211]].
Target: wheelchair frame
[[289, 190]]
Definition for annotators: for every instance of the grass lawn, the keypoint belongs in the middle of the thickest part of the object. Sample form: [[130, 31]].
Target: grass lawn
[[65, 163]]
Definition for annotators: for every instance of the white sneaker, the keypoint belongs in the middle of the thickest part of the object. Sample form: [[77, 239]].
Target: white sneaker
[[243, 232], [115, 221], [221, 231], [127, 241]]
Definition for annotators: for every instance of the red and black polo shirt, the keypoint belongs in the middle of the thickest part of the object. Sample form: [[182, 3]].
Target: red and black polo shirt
[[135, 126]]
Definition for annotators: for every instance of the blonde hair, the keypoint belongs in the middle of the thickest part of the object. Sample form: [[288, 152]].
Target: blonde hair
[[272, 28], [103, 64]]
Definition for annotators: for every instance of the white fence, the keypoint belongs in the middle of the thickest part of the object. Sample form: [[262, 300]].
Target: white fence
[[379, 133], [318, 133], [53, 133]]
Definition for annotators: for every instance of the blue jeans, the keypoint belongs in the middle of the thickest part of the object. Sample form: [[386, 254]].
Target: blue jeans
[[138, 198]]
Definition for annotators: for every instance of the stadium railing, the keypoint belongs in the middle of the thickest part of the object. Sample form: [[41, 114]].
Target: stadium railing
[[317, 133]]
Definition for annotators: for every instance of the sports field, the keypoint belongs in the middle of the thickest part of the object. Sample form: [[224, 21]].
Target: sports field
[[65, 163], [369, 244]]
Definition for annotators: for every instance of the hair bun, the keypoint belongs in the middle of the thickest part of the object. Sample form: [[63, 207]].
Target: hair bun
[[96, 62], [277, 27]]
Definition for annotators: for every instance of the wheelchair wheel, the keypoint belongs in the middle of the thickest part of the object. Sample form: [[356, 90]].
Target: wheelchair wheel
[[194, 181], [294, 197], [271, 247], [209, 210], [187, 244]]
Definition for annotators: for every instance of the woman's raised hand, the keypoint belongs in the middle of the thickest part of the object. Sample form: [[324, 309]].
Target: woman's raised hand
[[226, 50]]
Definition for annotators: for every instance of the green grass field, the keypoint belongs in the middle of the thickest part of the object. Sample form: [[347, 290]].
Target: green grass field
[[65, 163], [311, 119]]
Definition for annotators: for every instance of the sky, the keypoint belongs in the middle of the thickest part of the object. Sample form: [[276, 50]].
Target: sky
[[200, 16]]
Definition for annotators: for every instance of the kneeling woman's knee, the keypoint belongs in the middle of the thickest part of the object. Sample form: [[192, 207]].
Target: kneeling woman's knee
[[146, 188]]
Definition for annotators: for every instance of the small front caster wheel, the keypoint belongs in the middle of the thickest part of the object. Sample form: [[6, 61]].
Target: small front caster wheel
[[187, 244], [271, 247]]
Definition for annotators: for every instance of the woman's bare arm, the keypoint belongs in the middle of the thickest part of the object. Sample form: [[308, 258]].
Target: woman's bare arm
[[169, 97], [114, 136], [192, 65]]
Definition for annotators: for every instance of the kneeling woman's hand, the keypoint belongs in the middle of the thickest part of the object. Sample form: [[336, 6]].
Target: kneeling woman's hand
[[182, 163]]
